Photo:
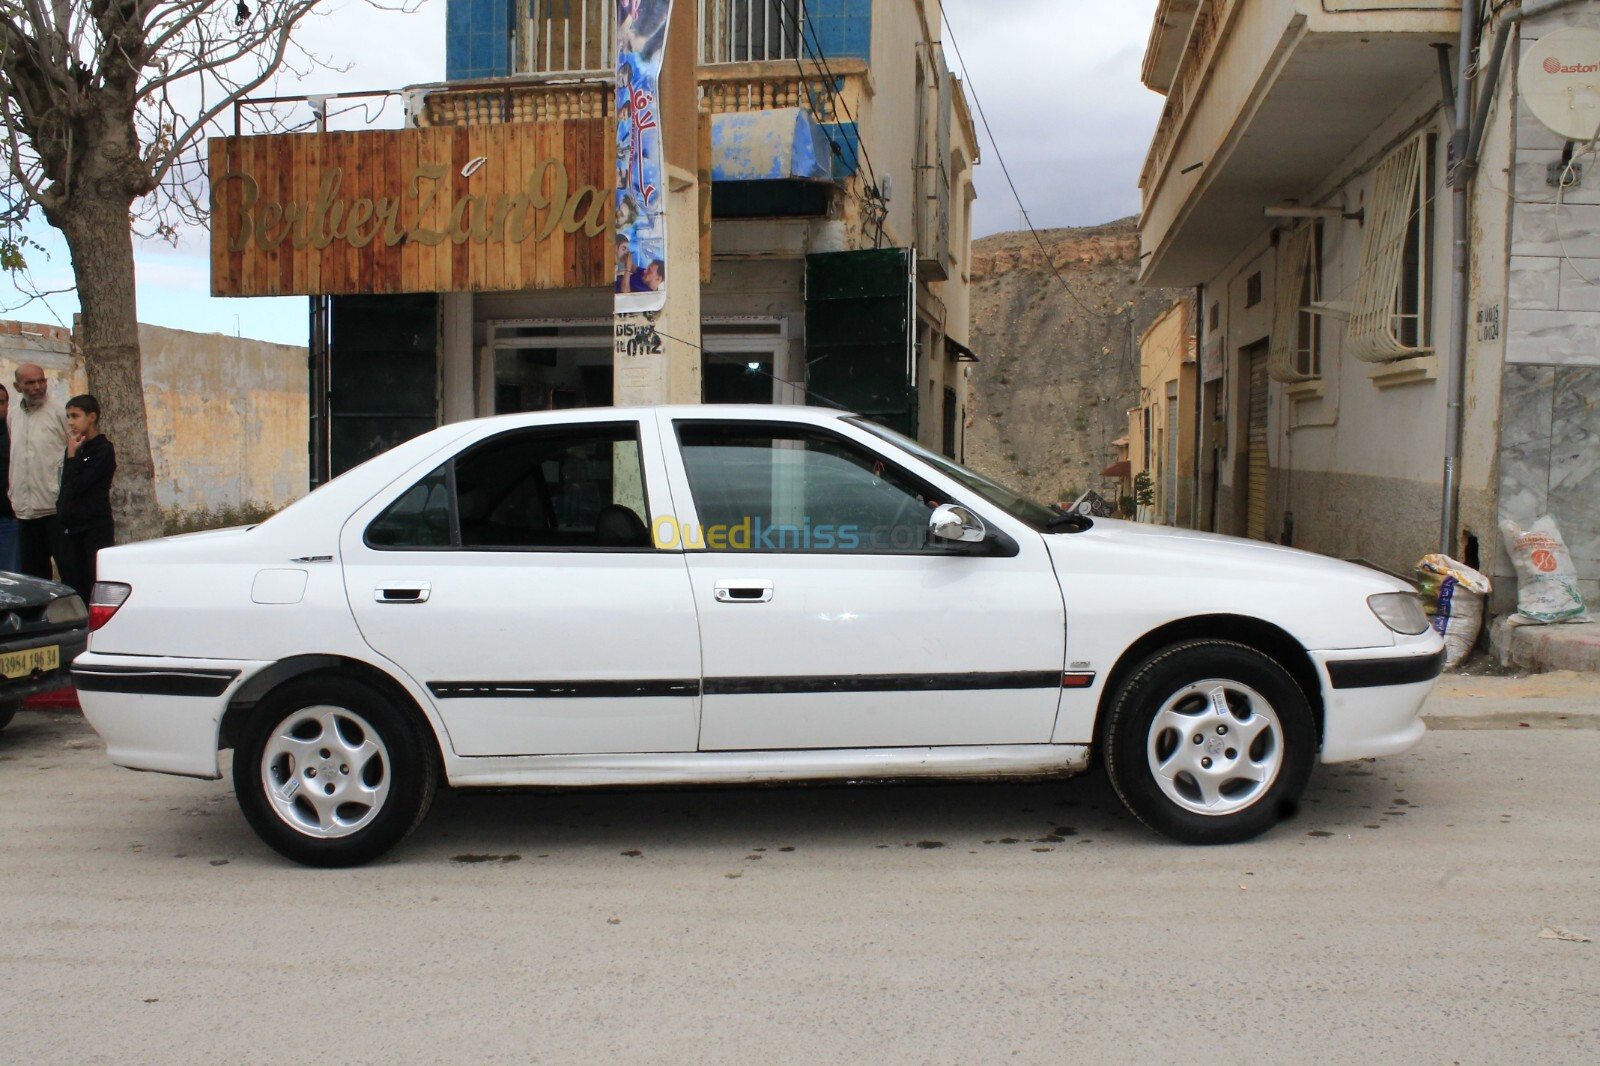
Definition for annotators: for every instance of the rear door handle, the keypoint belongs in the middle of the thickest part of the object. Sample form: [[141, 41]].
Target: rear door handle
[[743, 591], [403, 592]]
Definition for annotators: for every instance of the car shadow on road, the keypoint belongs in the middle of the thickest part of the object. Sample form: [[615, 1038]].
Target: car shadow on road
[[1040, 816]]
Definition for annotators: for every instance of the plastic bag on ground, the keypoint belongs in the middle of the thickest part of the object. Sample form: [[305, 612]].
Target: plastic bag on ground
[[1454, 594], [1547, 582]]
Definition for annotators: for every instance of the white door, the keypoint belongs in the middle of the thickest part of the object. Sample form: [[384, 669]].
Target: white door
[[827, 617], [517, 584]]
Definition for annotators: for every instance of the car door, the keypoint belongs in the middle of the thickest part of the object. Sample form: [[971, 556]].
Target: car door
[[828, 616], [517, 583]]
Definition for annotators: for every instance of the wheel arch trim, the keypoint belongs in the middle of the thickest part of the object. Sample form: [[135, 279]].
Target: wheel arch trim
[[1264, 637], [256, 687]]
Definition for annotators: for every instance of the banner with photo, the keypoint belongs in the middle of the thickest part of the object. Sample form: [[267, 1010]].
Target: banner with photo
[[641, 217]]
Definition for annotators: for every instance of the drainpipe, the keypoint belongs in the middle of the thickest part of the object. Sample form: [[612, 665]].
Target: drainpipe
[[1467, 142], [1456, 361]]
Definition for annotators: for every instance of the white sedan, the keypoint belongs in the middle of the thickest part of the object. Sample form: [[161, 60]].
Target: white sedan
[[705, 595]]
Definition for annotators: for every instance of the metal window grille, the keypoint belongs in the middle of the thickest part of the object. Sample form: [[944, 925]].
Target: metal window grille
[[1296, 334], [743, 31], [569, 36], [1392, 307]]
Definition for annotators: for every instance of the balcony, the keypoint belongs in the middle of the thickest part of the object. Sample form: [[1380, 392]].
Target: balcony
[[1264, 99], [724, 87]]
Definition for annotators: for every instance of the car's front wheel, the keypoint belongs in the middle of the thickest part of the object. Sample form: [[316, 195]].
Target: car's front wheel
[[330, 773], [1210, 742]]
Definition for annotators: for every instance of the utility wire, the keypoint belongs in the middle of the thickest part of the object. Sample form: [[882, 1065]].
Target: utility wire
[[976, 103]]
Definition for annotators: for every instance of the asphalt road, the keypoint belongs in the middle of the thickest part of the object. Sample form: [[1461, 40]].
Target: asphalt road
[[1397, 918]]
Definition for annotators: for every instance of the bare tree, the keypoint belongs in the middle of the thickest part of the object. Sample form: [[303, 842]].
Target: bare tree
[[105, 105]]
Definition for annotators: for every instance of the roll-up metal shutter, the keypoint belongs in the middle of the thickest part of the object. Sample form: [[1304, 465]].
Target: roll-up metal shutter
[[1256, 437]]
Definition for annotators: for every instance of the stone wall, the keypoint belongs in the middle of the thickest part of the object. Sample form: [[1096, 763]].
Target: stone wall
[[1550, 420]]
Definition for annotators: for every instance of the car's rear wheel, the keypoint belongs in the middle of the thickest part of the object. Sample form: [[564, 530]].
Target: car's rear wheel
[[1210, 742], [330, 772]]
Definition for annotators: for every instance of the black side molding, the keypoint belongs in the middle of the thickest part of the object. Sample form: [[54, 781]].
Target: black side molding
[[1372, 673], [153, 680], [508, 690], [1004, 679]]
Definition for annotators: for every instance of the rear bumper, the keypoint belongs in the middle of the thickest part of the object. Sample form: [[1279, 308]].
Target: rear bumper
[[159, 713], [1372, 700]]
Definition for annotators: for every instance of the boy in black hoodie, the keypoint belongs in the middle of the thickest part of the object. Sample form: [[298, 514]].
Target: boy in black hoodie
[[84, 506]]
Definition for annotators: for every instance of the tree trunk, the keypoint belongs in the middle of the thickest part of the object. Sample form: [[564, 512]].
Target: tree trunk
[[101, 242]]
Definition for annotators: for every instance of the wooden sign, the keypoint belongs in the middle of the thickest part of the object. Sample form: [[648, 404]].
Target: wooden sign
[[443, 209]]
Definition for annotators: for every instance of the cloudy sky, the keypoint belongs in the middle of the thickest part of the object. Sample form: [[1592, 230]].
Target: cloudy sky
[[1057, 79]]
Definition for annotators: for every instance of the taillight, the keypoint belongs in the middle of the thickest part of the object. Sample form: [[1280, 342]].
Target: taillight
[[104, 599]]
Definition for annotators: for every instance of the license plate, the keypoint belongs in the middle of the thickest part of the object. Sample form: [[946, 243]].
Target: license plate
[[24, 663]]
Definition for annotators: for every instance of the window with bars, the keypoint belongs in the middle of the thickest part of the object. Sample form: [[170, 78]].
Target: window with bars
[[743, 31], [1307, 359], [568, 36], [1393, 304]]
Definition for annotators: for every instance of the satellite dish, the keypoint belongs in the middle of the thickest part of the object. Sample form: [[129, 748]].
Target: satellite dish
[[1560, 80]]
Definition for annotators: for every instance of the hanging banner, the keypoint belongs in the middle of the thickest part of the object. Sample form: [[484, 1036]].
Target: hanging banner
[[641, 220]]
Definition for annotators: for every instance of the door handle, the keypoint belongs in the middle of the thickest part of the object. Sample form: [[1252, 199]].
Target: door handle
[[743, 591], [403, 592]]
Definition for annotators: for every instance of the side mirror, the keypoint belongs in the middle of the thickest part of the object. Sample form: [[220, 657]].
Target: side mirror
[[949, 522]]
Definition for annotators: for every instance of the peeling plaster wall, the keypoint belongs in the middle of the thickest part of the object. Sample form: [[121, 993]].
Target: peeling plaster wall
[[228, 417]]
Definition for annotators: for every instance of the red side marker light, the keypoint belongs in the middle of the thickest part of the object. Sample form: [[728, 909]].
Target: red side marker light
[[1077, 680]]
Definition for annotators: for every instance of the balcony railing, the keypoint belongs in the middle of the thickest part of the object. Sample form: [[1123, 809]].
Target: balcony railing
[[1194, 66], [578, 36], [724, 88]]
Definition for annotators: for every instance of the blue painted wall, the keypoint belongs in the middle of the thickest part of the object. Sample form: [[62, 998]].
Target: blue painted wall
[[841, 27], [477, 39]]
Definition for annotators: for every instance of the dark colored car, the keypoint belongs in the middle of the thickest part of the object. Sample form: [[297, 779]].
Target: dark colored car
[[43, 627]]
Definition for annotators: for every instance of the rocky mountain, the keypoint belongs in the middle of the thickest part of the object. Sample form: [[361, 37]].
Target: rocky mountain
[[1058, 363]]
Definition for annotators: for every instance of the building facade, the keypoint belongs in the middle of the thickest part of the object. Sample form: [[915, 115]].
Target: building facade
[[1398, 331], [834, 181], [1161, 430]]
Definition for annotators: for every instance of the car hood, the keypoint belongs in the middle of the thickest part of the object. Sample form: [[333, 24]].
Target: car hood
[[21, 590], [1197, 552]]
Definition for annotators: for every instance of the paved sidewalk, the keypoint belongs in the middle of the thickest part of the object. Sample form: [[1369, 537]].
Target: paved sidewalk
[[1562, 699]]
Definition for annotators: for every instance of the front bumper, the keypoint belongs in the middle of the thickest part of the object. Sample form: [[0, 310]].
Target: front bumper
[[1372, 699], [71, 642], [159, 713]]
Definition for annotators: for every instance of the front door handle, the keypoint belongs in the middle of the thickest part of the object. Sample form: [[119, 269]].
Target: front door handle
[[403, 592], [743, 591]]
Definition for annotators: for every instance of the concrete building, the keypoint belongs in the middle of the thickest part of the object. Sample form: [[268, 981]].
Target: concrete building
[[834, 183], [1163, 425], [1315, 167]]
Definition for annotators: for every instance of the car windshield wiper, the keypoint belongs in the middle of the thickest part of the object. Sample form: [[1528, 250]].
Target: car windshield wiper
[[1070, 521]]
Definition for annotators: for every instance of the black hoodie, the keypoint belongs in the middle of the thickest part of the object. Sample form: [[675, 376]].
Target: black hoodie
[[85, 500]]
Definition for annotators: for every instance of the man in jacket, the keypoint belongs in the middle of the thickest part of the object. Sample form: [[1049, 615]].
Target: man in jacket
[[38, 433]]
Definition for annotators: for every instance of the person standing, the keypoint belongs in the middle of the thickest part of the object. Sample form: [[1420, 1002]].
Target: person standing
[[38, 433], [8, 520], [84, 506]]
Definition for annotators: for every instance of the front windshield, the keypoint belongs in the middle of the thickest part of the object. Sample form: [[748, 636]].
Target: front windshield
[[1010, 501]]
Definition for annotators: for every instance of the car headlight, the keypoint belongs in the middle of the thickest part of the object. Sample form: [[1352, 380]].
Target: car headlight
[[65, 611], [1400, 611]]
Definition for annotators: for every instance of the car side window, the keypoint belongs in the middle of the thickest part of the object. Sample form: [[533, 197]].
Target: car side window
[[768, 486], [419, 518], [573, 487]]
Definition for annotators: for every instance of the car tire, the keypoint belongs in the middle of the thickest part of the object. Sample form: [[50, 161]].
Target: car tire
[[330, 772], [8, 711], [1210, 742]]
